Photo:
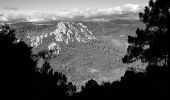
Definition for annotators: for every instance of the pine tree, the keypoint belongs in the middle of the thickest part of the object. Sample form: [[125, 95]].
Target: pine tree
[[151, 44]]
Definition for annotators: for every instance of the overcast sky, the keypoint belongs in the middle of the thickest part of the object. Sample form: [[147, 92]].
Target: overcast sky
[[41, 10], [65, 4]]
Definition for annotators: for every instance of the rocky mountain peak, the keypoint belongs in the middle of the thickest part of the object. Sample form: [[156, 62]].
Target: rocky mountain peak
[[64, 32], [70, 31]]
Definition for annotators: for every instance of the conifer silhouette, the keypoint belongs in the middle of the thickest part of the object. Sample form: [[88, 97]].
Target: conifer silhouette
[[151, 44]]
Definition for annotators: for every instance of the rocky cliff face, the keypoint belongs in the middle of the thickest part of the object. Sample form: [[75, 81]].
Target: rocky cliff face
[[64, 32], [70, 31]]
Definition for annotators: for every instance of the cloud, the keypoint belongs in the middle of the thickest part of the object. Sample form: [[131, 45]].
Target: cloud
[[12, 14], [10, 8]]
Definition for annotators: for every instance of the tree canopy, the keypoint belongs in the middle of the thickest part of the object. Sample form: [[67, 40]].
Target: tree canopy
[[151, 44]]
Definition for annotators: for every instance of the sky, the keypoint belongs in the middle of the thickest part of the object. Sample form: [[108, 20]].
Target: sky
[[66, 4], [44, 9]]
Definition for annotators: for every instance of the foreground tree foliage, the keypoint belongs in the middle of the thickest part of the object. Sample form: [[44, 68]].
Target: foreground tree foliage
[[19, 80], [151, 44]]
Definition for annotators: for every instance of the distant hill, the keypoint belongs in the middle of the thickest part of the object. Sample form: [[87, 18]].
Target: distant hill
[[99, 28]]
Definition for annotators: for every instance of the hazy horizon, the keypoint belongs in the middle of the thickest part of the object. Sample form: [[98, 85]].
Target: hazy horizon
[[41, 10]]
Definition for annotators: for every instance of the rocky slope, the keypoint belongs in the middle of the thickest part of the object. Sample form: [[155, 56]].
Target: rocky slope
[[65, 32]]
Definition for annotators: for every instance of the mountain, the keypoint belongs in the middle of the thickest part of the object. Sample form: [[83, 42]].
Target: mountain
[[70, 31], [73, 31], [63, 33]]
